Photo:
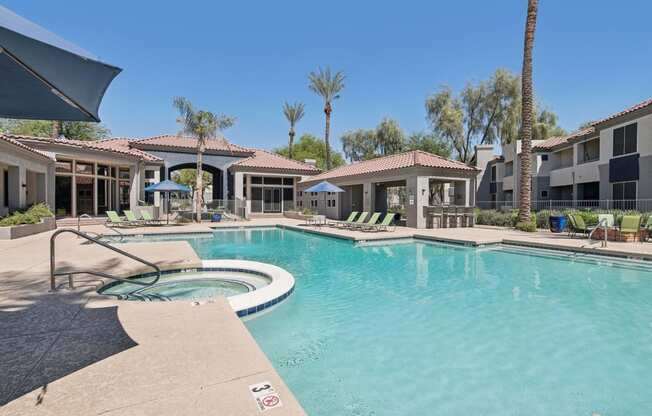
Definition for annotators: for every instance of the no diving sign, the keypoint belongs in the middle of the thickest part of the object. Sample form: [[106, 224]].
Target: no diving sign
[[265, 395]]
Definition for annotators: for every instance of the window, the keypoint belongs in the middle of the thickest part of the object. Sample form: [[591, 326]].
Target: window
[[257, 180], [150, 174], [63, 166], [84, 168], [103, 170], [5, 181], [123, 173], [493, 173], [588, 151], [544, 158], [313, 203], [300, 193], [273, 181], [509, 168], [544, 194], [624, 191], [288, 181], [624, 139]]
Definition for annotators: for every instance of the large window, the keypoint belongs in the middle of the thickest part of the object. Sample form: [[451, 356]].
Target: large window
[[509, 168], [624, 139], [588, 151], [493, 173]]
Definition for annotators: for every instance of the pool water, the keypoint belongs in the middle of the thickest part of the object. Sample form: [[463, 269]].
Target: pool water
[[178, 286], [434, 329]]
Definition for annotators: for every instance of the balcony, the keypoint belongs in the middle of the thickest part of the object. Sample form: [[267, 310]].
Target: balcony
[[561, 176]]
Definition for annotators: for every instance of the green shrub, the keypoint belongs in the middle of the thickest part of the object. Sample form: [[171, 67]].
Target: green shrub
[[497, 218], [529, 227], [307, 211], [33, 215]]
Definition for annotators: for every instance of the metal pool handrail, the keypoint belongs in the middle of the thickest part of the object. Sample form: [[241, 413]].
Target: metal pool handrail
[[602, 222], [54, 273]]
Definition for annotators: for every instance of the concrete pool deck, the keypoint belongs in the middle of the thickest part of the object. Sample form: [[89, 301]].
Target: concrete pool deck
[[78, 353]]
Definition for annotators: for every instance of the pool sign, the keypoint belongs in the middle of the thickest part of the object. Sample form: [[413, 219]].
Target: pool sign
[[265, 395]]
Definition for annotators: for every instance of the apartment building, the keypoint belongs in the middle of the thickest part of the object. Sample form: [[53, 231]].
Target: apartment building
[[606, 165]]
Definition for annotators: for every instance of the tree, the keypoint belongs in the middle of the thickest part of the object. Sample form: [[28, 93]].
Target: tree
[[387, 139], [311, 147], [428, 143], [203, 126], [188, 177], [78, 130], [293, 113], [328, 86], [390, 139], [483, 113], [526, 113]]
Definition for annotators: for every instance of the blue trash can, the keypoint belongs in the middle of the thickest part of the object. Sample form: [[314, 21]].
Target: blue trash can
[[216, 218], [558, 223]]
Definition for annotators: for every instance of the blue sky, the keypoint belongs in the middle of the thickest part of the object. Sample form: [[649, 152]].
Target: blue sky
[[245, 58]]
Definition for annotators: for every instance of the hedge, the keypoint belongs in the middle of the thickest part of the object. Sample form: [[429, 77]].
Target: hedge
[[510, 218]]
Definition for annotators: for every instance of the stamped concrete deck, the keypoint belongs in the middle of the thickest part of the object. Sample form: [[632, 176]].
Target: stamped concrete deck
[[78, 353]]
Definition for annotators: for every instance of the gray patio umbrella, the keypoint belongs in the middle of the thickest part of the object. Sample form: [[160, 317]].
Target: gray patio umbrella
[[44, 77]]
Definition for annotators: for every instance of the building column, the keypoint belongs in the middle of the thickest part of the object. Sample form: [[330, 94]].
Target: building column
[[134, 185], [417, 193], [248, 197], [225, 184], [16, 178], [95, 188], [467, 192], [50, 180], [367, 196]]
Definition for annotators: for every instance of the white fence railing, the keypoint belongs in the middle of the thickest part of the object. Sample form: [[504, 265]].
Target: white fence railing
[[642, 205]]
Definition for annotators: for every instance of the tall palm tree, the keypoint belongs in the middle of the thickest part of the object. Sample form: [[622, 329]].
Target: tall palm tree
[[203, 126], [328, 86], [293, 113], [526, 114]]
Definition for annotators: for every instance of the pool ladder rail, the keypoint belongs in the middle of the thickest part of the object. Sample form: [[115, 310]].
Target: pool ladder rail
[[603, 223], [70, 274]]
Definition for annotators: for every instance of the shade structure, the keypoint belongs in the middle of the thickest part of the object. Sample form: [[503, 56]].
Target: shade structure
[[167, 186], [45, 77], [324, 186]]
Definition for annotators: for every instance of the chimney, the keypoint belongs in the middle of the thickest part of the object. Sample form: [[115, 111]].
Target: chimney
[[484, 153], [311, 162]]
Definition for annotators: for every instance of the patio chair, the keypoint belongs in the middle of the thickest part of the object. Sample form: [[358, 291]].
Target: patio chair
[[648, 228], [148, 219], [114, 220], [384, 225], [630, 224], [131, 218], [347, 221], [360, 220], [372, 221], [578, 226]]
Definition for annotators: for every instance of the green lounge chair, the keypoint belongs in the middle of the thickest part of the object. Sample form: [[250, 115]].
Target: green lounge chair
[[385, 224], [131, 218], [114, 220], [648, 228], [147, 217], [630, 224], [359, 221], [347, 221], [578, 226], [372, 221]]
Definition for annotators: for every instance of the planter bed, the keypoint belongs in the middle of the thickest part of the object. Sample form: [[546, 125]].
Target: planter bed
[[23, 230]]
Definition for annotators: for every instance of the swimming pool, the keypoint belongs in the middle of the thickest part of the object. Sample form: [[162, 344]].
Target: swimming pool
[[421, 329]]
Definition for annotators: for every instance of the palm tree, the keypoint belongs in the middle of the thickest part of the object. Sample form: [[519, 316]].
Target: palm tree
[[328, 86], [526, 114], [203, 126], [293, 113]]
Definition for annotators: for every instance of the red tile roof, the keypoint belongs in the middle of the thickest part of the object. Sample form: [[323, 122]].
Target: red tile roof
[[557, 142], [100, 145], [10, 138], [631, 109], [124, 144], [181, 142], [262, 159], [387, 163]]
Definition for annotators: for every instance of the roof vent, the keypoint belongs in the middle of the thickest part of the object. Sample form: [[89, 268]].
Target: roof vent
[[311, 162]]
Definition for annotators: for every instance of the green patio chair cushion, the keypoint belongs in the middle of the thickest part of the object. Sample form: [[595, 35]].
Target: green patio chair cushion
[[630, 224], [130, 216], [114, 217]]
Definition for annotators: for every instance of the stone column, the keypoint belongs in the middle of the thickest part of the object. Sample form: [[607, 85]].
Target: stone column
[[16, 179], [417, 195]]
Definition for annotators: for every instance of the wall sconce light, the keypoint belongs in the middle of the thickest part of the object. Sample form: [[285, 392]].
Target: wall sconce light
[[24, 185]]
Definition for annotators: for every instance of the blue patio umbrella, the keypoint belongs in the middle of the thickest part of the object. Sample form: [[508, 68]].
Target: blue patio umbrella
[[324, 187], [45, 77], [166, 187]]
